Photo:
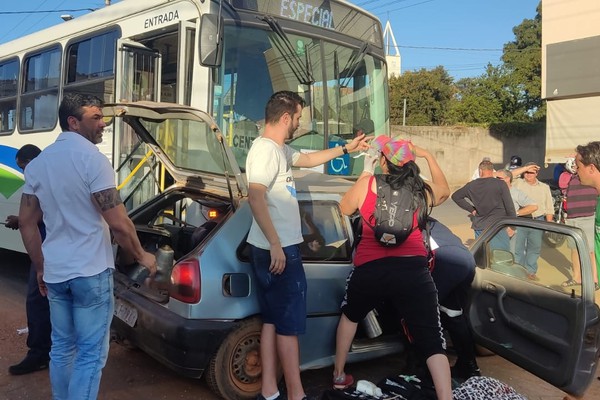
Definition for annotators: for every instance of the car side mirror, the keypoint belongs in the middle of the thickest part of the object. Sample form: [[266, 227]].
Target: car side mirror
[[210, 46]]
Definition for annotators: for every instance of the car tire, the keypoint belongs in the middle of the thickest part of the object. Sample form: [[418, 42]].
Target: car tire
[[234, 372]]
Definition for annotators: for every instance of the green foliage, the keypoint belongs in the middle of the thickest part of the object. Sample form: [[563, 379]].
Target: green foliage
[[508, 93], [523, 59], [428, 94]]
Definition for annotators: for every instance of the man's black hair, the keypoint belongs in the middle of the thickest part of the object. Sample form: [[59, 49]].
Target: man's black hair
[[72, 105], [590, 153], [28, 152]]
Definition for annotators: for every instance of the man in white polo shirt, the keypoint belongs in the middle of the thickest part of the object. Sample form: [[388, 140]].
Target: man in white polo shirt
[[71, 183]]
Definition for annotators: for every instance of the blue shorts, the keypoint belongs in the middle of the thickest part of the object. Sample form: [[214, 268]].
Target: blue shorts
[[282, 298]]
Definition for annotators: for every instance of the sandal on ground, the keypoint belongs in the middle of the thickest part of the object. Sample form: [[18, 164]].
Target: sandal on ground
[[569, 283], [596, 287]]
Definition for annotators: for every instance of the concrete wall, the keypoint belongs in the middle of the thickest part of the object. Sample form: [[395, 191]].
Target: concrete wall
[[459, 150]]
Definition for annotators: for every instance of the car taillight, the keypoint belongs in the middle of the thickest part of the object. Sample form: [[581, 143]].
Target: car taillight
[[185, 281]]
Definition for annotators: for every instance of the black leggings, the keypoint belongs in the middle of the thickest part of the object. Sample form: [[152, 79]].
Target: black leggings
[[406, 284]]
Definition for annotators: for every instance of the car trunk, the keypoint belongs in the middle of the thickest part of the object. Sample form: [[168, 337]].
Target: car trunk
[[207, 186], [173, 226]]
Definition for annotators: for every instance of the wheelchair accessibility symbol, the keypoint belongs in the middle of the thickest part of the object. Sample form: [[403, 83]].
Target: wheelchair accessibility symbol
[[339, 165]]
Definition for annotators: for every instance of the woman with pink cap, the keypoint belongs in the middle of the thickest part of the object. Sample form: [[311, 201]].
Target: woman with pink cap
[[397, 275]]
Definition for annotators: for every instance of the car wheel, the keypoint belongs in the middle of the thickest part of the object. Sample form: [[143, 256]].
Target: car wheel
[[235, 370]]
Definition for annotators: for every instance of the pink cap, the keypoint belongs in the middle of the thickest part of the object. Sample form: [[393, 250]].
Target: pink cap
[[397, 150]]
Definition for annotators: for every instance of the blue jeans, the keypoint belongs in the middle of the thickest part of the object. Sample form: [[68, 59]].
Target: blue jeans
[[81, 311], [528, 245], [500, 241]]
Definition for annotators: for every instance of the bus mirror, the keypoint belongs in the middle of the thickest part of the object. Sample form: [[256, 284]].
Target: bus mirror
[[211, 40]]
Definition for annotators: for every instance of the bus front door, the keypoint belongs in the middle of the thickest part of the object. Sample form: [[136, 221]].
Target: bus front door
[[138, 78]]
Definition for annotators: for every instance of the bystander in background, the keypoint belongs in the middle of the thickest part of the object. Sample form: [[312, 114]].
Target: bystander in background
[[36, 305], [487, 200], [580, 207], [528, 241]]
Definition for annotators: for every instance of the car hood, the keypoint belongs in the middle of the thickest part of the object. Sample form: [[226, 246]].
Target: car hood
[[186, 140]]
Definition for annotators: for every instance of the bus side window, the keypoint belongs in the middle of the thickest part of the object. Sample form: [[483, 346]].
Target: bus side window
[[9, 80], [39, 99]]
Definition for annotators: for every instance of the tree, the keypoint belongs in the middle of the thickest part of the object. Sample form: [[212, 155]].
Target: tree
[[510, 92], [488, 99], [475, 101], [428, 94], [523, 60]]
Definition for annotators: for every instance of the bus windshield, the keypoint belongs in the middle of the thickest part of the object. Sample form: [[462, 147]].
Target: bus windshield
[[343, 86]]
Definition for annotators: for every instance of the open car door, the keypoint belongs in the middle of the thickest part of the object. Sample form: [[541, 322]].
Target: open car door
[[547, 328]]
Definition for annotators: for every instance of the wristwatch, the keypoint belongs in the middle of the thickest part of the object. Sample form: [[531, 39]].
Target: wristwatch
[[344, 149]]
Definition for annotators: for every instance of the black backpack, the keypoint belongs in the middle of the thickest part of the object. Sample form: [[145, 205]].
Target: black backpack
[[393, 218]]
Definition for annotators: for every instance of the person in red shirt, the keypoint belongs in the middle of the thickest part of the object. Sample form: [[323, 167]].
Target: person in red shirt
[[399, 275]]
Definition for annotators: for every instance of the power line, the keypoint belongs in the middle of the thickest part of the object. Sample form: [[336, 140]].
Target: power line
[[46, 12], [392, 2], [445, 48], [464, 48], [409, 6]]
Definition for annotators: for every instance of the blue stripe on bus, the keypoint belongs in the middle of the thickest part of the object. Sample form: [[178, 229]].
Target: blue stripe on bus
[[7, 157]]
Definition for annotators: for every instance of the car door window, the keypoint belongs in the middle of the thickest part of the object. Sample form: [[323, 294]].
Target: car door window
[[545, 258], [520, 310], [325, 232]]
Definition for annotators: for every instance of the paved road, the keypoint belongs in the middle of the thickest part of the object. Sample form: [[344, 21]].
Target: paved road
[[133, 374]]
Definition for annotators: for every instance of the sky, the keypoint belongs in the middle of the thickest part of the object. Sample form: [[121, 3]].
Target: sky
[[463, 36]]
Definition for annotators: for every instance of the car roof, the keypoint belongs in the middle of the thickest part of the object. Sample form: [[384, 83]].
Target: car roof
[[311, 181]]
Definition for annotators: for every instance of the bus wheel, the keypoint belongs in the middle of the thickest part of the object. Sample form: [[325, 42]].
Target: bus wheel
[[235, 370]]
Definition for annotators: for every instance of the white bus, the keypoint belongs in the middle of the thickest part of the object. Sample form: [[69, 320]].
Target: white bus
[[225, 57]]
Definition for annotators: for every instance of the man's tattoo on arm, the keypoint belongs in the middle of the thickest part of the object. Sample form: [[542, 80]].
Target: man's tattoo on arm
[[107, 199]]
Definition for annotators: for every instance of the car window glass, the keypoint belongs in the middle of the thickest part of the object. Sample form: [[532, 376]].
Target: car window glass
[[545, 258], [324, 230], [189, 144]]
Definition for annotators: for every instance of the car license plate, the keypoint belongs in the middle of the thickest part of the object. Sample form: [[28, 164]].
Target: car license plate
[[125, 312]]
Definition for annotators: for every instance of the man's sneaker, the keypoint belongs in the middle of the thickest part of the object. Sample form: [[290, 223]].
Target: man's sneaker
[[343, 381], [465, 370], [27, 366], [261, 397]]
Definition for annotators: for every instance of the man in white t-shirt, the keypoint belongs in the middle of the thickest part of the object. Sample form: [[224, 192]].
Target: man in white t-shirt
[[72, 184], [275, 236]]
